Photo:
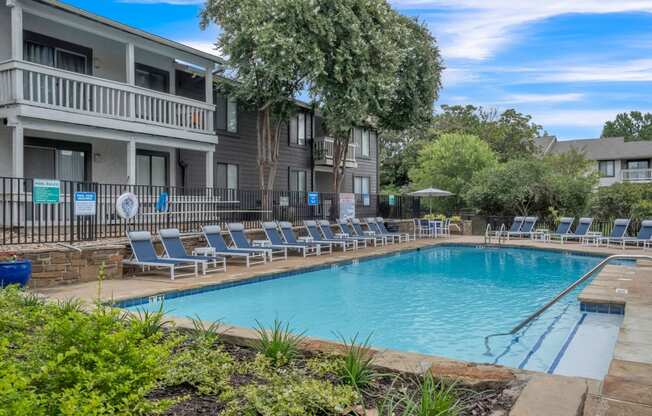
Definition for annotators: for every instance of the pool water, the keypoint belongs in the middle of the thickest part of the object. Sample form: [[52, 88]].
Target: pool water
[[441, 301]]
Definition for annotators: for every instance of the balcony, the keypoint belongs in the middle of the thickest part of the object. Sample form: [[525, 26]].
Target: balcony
[[108, 103], [324, 148], [636, 175]]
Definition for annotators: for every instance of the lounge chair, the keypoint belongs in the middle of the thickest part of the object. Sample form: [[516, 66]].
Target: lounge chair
[[217, 246], [618, 233], [327, 231], [357, 227], [526, 230], [514, 228], [276, 240], [644, 236], [373, 226], [563, 229], [288, 235], [381, 224], [313, 231], [236, 231], [346, 228], [581, 232], [144, 255], [171, 240]]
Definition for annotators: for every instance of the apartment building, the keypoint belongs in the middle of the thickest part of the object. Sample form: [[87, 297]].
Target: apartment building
[[85, 98], [615, 159]]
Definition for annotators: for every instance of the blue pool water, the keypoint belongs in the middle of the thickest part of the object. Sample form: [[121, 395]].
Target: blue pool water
[[441, 301]]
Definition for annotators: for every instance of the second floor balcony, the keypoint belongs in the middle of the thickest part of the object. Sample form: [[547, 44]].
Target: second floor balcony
[[636, 175], [324, 149]]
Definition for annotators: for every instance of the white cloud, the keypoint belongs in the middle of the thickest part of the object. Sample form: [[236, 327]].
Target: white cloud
[[177, 2], [575, 118], [542, 98], [477, 29], [204, 46], [625, 71], [455, 76]]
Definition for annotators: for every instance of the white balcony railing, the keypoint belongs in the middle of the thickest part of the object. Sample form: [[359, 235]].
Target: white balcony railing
[[64, 90], [324, 149], [634, 175]]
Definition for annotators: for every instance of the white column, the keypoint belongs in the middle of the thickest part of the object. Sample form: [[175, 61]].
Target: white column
[[16, 29], [17, 151], [131, 162], [130, 76], [209, 168], [209, 85]]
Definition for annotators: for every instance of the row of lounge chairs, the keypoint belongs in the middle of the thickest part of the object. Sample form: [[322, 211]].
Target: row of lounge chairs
[[524, 227], [280, 239]]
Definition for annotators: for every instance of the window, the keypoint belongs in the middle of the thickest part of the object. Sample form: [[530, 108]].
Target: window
[[361, 138], [226, 113], [298, 180], [151, 168], [638, 164], [606, 168], [300, 128], [227, 176], [152, 78], [56, 53], [48, 159], [361, 185], [190, 85]]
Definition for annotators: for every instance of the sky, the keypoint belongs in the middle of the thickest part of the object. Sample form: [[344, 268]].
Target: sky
[[571, 64]]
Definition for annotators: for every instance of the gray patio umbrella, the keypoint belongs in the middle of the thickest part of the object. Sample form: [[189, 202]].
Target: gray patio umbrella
[[432, 193]]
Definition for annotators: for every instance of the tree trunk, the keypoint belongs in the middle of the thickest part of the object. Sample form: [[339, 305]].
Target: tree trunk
[[340, 153]]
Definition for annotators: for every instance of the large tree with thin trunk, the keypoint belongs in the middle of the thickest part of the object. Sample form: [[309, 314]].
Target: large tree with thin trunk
[[270, 58]]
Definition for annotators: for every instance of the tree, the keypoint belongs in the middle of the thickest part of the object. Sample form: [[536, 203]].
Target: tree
[[632, 126], [450, 163], [399, 151], [270, 59], [510, 134], [623, 200]]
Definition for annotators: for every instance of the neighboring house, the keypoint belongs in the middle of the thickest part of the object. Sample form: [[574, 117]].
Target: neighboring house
[[85, 98], [615, 159]]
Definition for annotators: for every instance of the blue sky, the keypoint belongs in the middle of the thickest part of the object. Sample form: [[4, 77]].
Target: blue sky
[[571, 64]]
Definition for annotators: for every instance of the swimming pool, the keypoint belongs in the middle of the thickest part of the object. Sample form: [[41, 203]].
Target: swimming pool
[[441, 301]]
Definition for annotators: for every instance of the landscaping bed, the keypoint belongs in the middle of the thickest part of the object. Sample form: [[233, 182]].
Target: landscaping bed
[[58, 359]]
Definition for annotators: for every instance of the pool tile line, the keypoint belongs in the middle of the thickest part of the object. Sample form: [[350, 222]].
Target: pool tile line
[[543, 336], [564, 347]]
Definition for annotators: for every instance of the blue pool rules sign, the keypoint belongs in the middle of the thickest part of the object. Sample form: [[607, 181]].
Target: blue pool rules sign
[[85, 203], [313, 198]]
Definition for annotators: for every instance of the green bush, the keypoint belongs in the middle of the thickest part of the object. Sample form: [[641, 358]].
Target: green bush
[[279, 343], [623, 200], [357, 370]]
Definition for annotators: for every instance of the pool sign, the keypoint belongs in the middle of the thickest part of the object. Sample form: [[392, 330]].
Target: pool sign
[[127, 205], [284, 201], [85, 203], [347, 206], [46, 191], [392, 200], [366, 200], [313, 198]]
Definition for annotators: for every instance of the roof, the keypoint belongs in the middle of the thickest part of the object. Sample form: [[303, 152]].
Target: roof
[[606, 148], [129, 29]]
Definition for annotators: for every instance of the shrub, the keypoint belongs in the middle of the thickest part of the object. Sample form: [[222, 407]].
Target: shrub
[[149, 323], [279, 343], [434, 399], [357, 368], [622, 200]]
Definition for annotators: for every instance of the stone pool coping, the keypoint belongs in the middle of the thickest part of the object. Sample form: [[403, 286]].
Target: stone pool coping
[[542, 394]]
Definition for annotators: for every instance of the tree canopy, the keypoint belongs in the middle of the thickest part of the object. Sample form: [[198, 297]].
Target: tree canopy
[[632, 126]]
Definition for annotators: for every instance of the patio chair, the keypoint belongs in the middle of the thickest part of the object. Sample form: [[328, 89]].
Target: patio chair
[[288, 235], [346, 228], [563, 229], [405, 237], [276, 240], [144, 255], [356, 224], [527, 229], [217, 246], [644, 236], [517, 223], [373, 226], [422, 227], [581, 231], [313, 231], [618, 233], [327, 231], [236, 231], [173, 246]]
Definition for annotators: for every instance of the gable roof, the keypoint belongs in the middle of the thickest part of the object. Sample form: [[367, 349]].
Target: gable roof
[[606, 148]]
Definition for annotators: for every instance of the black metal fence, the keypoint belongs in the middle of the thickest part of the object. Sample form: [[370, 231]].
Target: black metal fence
[[24, 221], [599, 225]]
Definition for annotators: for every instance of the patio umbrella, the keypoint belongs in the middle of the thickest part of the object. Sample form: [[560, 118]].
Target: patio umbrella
[[432, 193]]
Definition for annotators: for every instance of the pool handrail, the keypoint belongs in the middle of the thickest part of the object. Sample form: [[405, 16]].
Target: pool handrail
[[564, 292]]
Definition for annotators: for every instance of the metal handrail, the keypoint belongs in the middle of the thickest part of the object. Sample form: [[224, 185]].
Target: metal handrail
[[487, 235], [564, 292]]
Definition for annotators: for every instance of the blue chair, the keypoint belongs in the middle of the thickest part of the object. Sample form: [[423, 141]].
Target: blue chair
[[357, 227], [313, 231], [237, 233], [373, 226], [381, 224], [345, 228], [144, 255], [618, 233], [516, 226], [217, 246], [288, 234], [327, 231], [644, 236], [581, 232], [276, 239], [564, 228], [173, 246], [527, 229]]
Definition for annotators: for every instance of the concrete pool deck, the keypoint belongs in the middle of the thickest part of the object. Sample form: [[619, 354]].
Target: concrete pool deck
[[542, 394]]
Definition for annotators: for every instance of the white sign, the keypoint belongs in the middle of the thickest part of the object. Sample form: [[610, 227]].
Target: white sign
[[127, 205], [85, 203], [347, 206], [284, 201]]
